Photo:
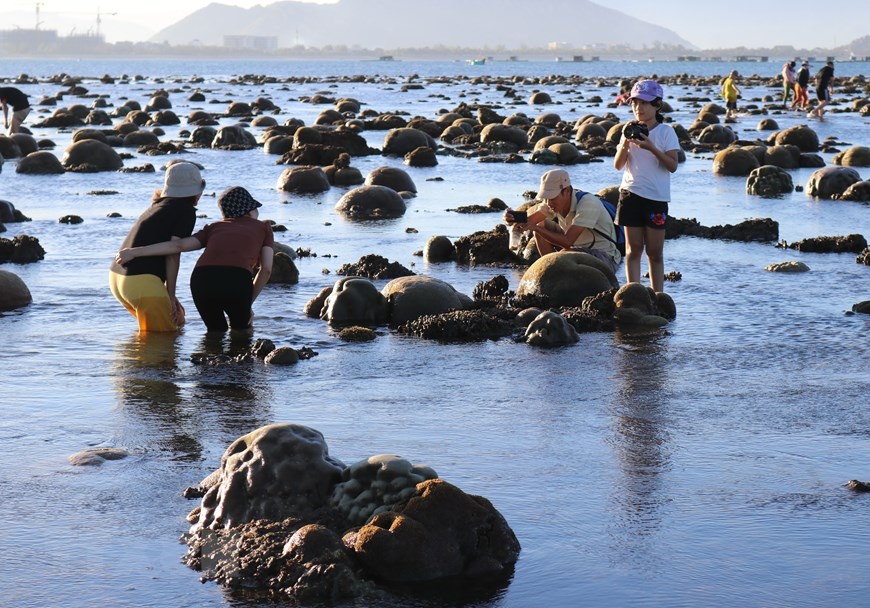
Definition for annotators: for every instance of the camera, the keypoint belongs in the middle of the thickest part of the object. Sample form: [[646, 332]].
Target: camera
[[520, 217], [634, 130]]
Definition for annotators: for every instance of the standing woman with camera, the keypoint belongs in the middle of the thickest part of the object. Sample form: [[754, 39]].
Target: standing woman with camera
[[649, 152]]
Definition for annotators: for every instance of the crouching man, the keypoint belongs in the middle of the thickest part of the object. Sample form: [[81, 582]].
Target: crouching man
[[563, 219]]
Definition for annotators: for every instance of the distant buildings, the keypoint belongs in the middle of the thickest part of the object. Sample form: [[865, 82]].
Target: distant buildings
[[256, 43], [38, 41]]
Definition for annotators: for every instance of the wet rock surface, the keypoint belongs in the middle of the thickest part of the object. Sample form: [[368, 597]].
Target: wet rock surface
[[853, 243], [22, 249], [373, 266], [760, 230], [791, 266], [14, 292], [283, 519]]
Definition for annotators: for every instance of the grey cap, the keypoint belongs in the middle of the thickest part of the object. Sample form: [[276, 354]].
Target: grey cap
[[182, 180]]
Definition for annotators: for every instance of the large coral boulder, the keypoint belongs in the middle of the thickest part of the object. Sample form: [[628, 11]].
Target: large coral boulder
[[717, 134], [284, 270], [423, 156], [485, 247], [566, 153], [391, 177], [280, 517], [859, 191], [13, 292], [26, 143], [639, 305], [856, 156], [801, 136], [307, 179], [340, 173], [377, 484], [550, 329], [831, 182], [440, 532], [203, 136], [9, 147], [8, 212], [354, 301], [439, 248], [412, 297], [234, 137], [275, 472], [22, 249], [372, 202], [769, 181], [40, 163], [787, 156], [92, 156], [404, 140], [734, 160], [504, 133], [566, 278]]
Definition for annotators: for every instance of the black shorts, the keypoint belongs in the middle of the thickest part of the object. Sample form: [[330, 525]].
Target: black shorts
[[219, 291], [823, 94], [635, 211]]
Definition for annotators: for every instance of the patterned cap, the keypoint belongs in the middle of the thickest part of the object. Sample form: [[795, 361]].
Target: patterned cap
[[647, 90], [236, 202]]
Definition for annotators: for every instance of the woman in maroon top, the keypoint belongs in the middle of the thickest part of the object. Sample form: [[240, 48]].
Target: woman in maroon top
[[223, 281]]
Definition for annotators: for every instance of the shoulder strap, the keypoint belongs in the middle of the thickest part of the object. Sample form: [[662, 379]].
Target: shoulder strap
[[580, 194]]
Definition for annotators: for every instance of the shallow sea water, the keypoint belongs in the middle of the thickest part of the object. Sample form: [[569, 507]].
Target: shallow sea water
[[700, 465]]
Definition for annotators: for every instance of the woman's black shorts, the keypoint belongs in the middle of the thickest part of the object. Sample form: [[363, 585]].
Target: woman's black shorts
[[635, 211]]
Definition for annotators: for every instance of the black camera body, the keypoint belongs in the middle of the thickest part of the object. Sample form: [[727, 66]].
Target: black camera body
[[520, 217], [634, 130]]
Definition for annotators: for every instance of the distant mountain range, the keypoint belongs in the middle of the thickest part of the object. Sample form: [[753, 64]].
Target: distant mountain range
[[398, 24]]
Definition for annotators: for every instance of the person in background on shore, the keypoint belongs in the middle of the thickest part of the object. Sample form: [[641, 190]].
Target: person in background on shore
[[146, 287], [561, 219], [801, 88], [789, 77], [10, 96], [824, 89], [645, 190], [223, 281], [731, 93]]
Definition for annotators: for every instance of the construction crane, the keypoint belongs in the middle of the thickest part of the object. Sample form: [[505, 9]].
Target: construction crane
[[100, 19]]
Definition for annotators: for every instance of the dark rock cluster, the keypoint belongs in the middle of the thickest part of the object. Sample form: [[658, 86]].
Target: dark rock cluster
[[282, 518]]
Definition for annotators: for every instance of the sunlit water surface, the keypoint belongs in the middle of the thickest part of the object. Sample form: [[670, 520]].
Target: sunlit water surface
[[702, 465]]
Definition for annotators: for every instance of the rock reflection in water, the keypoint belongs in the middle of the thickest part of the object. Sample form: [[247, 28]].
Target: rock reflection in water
[[640, 441], [180, 403]]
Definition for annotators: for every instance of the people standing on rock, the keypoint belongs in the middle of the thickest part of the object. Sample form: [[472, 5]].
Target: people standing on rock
[[223, 283], [824, 89], [789, 77], [146, 287], [645, 191], [731, 93], [563, 218], [10, 96], [801, 88]]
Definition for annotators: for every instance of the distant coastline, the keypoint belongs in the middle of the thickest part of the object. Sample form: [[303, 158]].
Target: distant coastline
[[165, 51], [41, 43]]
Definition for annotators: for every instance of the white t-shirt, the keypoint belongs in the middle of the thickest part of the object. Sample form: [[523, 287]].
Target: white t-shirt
[[590, 214], [644, 175]]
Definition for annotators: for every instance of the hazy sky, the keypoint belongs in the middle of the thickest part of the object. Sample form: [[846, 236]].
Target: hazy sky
[[706, 24]]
